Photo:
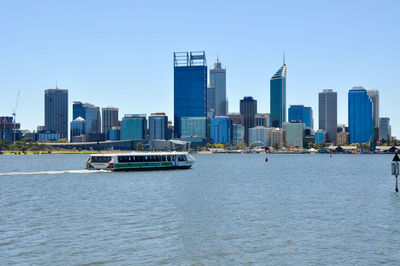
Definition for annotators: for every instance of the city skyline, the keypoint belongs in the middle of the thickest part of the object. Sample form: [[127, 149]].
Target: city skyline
[[114, 71]]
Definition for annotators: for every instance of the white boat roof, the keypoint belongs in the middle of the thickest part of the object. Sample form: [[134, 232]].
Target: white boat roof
[[139, 153]]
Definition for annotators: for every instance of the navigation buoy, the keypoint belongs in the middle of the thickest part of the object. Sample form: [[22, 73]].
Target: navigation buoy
[[266, 159]]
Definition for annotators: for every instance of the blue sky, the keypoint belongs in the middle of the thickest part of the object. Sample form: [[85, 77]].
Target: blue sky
[[120, 53]]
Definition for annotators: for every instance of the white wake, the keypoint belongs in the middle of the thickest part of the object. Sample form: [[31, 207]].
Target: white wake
[[82, 171]]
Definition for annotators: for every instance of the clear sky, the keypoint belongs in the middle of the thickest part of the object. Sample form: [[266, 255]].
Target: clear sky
[[120, 53]]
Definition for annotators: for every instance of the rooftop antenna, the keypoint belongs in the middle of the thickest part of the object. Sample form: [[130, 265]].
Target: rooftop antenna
[[56, 85], [284, 57], [14, 113]]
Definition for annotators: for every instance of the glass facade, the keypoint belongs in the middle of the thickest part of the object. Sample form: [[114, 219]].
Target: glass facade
[[300, 113], [109, 119], [319, 136], [260, 135], [115, 133], [190, 87], [90, 113], [248, 111], [78, 127], [221, 130], [198, 127], [238, 134], [133, 126], [384, 129], [278, 98], [218, 85], [56, 111], [360, 116], [294, 134], [327, 113], [158, 126]]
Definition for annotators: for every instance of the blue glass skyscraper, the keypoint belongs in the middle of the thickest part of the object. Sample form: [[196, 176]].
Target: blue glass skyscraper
[[190, 87], [360, 116], [133, 126], [158, 126], [221, 130], [300, 113], [278, 97], [90, 113]]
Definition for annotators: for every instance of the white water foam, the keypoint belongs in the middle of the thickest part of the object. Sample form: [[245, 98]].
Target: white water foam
[[82, 171]]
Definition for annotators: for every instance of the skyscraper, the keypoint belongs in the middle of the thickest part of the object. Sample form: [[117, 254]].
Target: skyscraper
[[218, 87], [90, 113], [374, 97], [190, 87], [56, 111], [158, 126], [248, 111], [384, 129], [360, 116], [327, 113], [133, 126], [221, 130], [300, 113], [109, 119], [278, 97]]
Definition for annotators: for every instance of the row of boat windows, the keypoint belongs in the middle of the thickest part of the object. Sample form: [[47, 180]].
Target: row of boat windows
[[150, 158], [100, 159]]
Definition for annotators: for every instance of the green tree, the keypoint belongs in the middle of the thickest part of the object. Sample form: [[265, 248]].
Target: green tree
[[139, 146], [4, 144]]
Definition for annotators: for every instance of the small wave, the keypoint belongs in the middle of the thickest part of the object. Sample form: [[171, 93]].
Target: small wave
[[82, 171]]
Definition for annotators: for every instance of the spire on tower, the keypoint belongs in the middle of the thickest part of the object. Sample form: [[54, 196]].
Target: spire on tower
[[284, 57]]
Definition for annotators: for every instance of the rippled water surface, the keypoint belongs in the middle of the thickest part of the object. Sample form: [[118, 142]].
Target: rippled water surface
[[227, 209]]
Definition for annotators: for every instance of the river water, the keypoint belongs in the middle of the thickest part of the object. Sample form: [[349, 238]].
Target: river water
[[226, 210]]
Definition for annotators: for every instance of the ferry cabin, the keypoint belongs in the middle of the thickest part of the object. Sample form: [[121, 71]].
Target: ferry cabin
[[140, 161]]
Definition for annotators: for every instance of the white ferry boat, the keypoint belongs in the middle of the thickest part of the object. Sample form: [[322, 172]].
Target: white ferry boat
[[140, 161]]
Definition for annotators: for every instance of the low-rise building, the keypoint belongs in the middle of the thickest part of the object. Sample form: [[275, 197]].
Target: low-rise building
[[342, 138], [278, 138], [260, 134], [294, 134]]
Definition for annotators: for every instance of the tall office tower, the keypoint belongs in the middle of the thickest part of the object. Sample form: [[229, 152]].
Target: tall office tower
[[327, 113], [190, 87], [278, 97], [374, 97], [109, 119], [384, 129], [90, 113], [211, 102], [218, 83], [221, 130], [158, 126], [300, 113], [133, 126], [360, 116], [262, 120], [248, 111], [56, 111]]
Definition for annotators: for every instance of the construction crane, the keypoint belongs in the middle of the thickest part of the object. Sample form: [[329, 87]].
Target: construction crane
[[14, 113]]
